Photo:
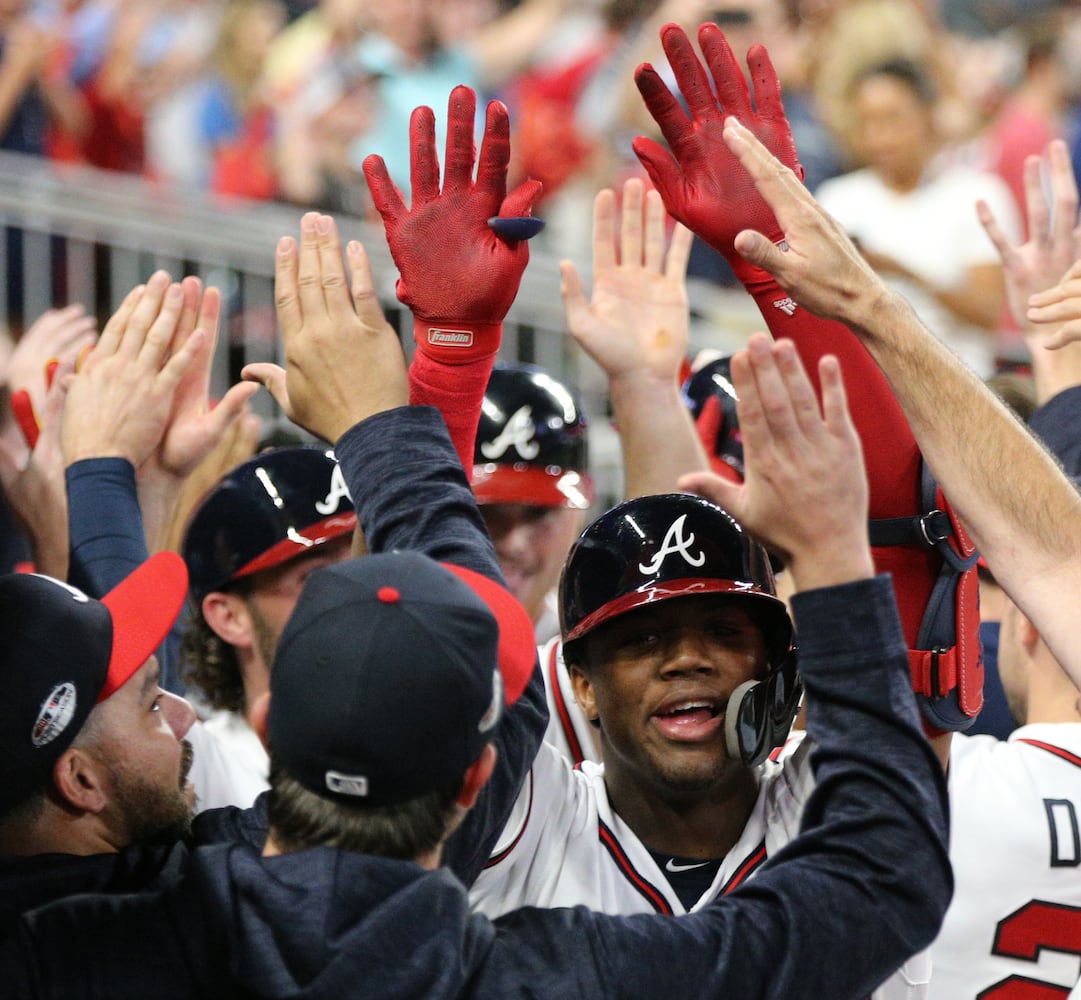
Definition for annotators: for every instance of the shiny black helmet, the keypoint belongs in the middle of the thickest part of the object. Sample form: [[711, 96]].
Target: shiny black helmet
[[714, 381], [277, 505], [531, 442], [656, 548]]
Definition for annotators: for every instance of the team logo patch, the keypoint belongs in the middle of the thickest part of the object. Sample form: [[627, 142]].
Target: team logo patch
[[56, 714], [450, 338], [675, 543], [347, 784], [519, 433]]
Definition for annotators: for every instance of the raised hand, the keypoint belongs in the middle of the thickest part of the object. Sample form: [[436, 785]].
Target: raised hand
[[34, 483], [637, 320], [702, 183], [459, 277], [819, 266], [120, 401], [54, 333], [636, 329], [1054, 240], [344, 361], [804, 493], [195, 425], [1060, 306]]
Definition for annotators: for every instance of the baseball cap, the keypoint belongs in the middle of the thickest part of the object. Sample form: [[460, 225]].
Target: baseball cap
[[392, 674], [62, 652], [269, 509]]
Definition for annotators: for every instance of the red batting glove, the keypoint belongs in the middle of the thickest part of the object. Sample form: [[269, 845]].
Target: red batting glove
[[701, 182], [458, 277]]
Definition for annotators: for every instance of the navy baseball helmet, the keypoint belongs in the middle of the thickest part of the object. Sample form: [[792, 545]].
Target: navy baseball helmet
[[277, 505], [714, 381], [531, 443], [655, 548]]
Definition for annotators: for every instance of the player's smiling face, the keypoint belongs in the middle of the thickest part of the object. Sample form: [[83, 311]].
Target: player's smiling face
[[659, 679]]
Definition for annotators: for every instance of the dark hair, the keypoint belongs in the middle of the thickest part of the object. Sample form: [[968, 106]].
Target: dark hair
[[209, 664], [301, 819], [911, 74]]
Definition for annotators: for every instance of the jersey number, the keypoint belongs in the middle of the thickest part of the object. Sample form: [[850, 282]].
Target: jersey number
[[1024, 934]]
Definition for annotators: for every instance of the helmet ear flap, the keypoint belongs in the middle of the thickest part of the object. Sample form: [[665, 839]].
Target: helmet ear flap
[[760, 714]]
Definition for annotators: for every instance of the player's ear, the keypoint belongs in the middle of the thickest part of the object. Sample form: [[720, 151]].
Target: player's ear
[[229, 618], [80, 780], [476, 777], [584, 693]]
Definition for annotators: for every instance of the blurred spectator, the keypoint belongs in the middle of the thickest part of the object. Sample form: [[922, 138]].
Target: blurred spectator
[[235, 118], [329, 29], [914, 217], [314, 139], [29, 95], [1032, 114], [420, 51]]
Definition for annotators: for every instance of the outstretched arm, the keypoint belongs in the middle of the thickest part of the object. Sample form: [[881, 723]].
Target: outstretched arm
[[636, 328], [345, 381], [705, 186], [1022, 512], [460, 251]]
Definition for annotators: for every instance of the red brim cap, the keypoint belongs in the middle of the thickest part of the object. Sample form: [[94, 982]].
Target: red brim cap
[[530, 484], [300, 542], [143, 608], [517, 642], [662, 591]]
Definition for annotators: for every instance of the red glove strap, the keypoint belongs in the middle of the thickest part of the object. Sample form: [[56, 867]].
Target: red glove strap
[[454, 342], [457, 392]]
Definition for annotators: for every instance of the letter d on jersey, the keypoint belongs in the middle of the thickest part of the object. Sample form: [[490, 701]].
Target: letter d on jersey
[[674, 543]]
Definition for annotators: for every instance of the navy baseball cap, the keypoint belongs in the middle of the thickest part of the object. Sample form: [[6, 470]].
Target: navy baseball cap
[[392, 674], [62, 653]]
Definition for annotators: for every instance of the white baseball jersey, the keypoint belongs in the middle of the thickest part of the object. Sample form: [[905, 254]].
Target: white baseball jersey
[[565, 846], [1013, 930], [568, 730], [229, 766]]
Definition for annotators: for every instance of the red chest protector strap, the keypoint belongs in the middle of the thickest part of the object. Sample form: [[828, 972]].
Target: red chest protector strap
[[947, 665]]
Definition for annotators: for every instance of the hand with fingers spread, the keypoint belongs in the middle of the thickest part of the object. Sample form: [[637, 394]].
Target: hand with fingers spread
[[819, 266], [700, 180], [459, 277], [1054, 240], [54, 333], [637, 323], [804, 493], [120, 401], [636, 328], [343, 360]]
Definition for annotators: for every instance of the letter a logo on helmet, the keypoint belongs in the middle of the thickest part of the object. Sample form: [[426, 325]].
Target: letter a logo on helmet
[[337, 493], [518, 433], [674, 542]]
